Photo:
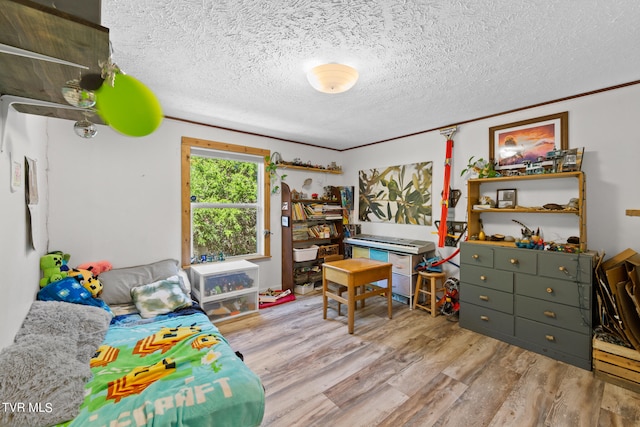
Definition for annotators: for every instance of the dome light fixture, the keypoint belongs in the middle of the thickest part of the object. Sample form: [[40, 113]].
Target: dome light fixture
[[332, 78]]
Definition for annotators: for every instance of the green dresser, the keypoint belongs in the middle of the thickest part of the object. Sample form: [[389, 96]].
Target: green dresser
[[540, 301]]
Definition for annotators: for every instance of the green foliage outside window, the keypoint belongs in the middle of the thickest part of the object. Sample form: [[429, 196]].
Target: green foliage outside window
[[231, 230]]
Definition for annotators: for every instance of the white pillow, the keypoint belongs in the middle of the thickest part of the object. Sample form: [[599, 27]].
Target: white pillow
[[161, 297]]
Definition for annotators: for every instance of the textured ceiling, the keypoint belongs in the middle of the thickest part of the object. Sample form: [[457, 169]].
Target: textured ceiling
[[241, 64]]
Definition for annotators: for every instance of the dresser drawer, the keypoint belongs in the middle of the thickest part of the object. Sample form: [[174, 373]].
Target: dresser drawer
[[551, 313], [404, 285], [553, 338], [484, 319], [517, 260], [554, 290], [571, 267], [379, 255], [476, 254], [485, 297], [360, 252], [487, 277], [403, 264]]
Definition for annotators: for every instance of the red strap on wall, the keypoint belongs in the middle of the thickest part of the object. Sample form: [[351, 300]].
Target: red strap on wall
[[442, 231]]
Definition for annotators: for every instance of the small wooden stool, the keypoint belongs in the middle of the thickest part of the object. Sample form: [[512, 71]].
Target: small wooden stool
[[430, 293]]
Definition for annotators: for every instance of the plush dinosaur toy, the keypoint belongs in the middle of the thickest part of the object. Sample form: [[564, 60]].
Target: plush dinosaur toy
[[96, 267], [53, 268]]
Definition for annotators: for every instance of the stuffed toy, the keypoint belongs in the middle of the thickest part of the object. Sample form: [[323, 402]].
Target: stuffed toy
[[96, 267], [87, 280], [65, 259], [52, 268]]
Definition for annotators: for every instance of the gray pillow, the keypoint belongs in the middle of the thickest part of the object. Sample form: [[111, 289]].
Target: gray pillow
[[41, 371], [117, 283]]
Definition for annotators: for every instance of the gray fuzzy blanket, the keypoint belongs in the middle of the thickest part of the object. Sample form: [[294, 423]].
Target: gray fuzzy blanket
[[42, 375]]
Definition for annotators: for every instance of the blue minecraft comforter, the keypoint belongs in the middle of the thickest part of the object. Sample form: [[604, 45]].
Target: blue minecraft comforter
[[175, 370]]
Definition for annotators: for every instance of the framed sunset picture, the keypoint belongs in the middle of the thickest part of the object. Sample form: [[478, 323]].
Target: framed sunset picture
[[513, 145]]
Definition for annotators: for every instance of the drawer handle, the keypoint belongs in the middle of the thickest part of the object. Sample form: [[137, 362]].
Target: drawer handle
[[483, 278], [485, 318], [550, 337], [563, 269], [484, 298], [513, 261], [549, 290], [475, 256], [550, 314]]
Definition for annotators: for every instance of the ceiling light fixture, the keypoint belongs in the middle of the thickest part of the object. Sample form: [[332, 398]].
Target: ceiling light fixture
[[332, 78]]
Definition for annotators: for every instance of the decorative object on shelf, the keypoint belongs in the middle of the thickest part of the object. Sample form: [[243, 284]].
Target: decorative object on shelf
[[332, 78], [555, 156], [297, 163], [276, 158], [507, 198], [487, 201], [526, 231], [400, 194], [571, 160], [534, 168], [510, 145], [479, 168]]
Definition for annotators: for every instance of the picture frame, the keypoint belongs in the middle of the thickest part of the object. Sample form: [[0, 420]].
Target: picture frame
[[571, 160], [506, 198], [513, 144]]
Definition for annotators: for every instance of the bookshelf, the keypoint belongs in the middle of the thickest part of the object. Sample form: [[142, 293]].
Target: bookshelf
[[306, 223]]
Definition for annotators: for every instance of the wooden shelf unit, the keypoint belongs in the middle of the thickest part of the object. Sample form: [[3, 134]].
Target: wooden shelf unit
[[309, 169], [289, 266], [474, 193]]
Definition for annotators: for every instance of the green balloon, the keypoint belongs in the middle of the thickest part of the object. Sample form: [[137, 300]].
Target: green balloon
[[128, 106]]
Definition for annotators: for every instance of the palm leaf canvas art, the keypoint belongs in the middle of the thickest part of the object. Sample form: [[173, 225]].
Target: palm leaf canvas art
[[400, 194]]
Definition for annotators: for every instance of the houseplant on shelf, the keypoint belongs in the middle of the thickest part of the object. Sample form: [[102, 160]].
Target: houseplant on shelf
[[271, 166], [480, 167]]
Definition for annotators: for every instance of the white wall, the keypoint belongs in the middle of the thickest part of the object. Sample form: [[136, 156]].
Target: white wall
[[118, 198], [19, 260], [603, 123]]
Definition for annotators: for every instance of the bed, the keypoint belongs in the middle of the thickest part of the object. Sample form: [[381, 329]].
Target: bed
[[152, 361]]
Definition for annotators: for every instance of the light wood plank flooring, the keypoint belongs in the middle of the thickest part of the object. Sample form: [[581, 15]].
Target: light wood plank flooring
[[413, 370]]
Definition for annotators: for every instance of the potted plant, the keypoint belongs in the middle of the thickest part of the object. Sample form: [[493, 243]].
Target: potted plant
[[480, 167], [271, 166]]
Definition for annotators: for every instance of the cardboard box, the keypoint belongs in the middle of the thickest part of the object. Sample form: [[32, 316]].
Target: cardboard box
[[621, 272], [622, 267]]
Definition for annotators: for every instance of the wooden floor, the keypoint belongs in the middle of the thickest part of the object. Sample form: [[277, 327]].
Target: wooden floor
[[413, 370]]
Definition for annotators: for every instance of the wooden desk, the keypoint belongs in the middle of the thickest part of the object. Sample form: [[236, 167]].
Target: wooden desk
[[353, 273]]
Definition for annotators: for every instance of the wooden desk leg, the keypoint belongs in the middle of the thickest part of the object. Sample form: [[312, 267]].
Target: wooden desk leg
[[351, 306], [324, 294], [389, 308]]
